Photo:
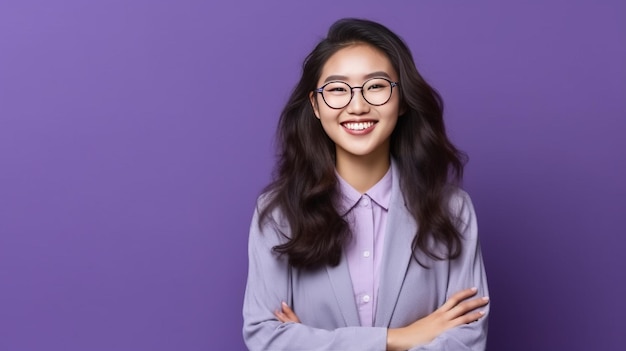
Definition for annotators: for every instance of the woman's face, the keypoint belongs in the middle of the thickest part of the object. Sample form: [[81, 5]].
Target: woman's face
[[359, 129]]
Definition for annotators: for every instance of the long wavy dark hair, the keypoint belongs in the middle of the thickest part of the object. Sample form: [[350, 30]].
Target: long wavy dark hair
[[305, 187]]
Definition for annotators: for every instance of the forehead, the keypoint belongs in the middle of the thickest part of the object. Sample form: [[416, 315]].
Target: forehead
[[355, 62]]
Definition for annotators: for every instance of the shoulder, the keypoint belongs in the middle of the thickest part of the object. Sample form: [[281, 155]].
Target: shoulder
[[268, 222], [459, 201], [462, 210], [268, 212]]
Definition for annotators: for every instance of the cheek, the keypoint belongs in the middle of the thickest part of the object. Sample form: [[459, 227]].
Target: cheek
[[392, 111], [396, 110], [327, 122], [330, 125], [327, 114]]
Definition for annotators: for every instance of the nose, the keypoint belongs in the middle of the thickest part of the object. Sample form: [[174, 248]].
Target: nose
[[358, 105]]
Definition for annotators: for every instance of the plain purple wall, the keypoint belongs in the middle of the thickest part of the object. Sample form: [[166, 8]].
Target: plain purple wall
[[136, 135]]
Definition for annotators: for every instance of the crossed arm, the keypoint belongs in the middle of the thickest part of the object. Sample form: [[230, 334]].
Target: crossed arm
[[456, 311]]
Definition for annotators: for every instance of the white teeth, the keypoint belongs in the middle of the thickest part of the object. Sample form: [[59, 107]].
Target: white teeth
[[358, 125]]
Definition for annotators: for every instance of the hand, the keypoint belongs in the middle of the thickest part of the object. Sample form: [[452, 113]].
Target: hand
[[456, 311], [286, 314]]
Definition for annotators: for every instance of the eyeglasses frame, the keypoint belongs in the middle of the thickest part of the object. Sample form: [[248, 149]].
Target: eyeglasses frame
[[320, 90]]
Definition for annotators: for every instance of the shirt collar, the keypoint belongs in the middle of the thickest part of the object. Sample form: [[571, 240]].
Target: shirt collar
[[380, 193]]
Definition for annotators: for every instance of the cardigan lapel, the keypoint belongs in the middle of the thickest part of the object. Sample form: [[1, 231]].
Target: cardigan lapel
[[397, 254], [342, 287]]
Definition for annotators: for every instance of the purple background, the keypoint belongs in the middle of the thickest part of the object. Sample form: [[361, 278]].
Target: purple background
[[136, 135]]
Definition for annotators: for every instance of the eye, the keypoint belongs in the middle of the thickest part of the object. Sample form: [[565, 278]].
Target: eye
[[377, 84], [337, 88]]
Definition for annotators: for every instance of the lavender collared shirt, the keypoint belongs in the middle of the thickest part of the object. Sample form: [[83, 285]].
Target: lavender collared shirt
[[367, 217]]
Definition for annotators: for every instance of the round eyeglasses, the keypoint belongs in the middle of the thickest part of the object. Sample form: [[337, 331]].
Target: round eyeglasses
[[338, 94]]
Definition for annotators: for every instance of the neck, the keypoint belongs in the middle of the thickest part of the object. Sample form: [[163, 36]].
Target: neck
[[363, 172]]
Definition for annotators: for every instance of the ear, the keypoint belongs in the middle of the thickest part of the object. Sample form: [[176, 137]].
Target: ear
[[313, 100]]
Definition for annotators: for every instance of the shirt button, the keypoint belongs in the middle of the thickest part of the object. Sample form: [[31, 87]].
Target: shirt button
[[365, 202], [366, 298], [366, 254]]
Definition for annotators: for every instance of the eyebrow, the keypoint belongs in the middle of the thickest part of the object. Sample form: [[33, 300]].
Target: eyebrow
[[368, 76]]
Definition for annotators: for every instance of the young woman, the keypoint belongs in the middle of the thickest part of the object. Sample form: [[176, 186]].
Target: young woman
[[363, 241]]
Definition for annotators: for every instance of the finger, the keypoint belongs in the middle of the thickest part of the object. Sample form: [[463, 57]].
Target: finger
[[281, 316], [290, 313], [467, 318], [457, 298], [466, 306]]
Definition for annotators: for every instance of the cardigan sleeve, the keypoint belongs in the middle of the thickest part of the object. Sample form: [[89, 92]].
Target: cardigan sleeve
[[466, 271], [268, 285]]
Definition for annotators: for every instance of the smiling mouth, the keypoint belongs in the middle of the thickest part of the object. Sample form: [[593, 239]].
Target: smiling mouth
[[358, 125]]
